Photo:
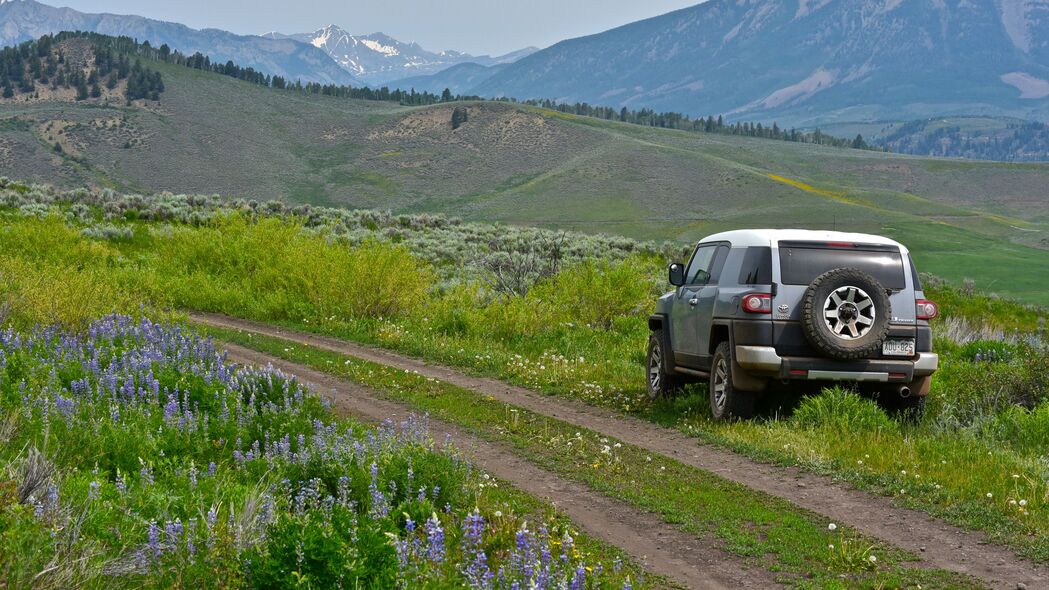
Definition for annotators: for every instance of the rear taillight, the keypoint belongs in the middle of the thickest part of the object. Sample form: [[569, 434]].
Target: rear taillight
[[757, 303], [926, 310]]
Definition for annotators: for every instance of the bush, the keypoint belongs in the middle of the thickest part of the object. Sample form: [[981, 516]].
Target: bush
[[272, 269], [843, 411], [971, 393]]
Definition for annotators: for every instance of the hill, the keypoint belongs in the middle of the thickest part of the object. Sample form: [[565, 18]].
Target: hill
[[805, 62], [24, 20], [520, 164]]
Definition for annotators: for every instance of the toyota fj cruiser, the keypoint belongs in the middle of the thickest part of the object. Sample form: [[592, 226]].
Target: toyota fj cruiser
[[754, 307]]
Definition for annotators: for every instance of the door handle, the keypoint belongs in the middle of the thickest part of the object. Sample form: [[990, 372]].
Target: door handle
[[693, 302]]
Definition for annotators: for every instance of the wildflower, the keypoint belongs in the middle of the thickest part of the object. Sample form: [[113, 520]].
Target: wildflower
[[990, 495], [873, 558], [1023, 502], [832, 527]]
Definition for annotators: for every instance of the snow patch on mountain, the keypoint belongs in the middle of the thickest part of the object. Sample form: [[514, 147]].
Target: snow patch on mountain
[[379, 47], [1028, 85], [807, 7], [1014, 18], [820, 80]]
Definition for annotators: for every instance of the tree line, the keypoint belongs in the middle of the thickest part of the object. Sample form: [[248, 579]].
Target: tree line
[[125, 46], [43, 63], [1015, 142]]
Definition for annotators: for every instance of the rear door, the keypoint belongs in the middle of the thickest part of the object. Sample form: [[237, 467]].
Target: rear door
[[694, 304], [797, 264]]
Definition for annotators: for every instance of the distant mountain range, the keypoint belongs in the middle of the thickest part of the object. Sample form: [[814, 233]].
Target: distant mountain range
[[801, 62], [21, 20], [378, 58], [329, 56], [797, 62]]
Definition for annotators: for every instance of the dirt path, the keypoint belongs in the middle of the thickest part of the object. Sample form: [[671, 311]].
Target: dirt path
[[664, 550], [940, 544]]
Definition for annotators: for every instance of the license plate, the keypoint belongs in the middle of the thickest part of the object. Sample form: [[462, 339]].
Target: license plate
[[898, 347]]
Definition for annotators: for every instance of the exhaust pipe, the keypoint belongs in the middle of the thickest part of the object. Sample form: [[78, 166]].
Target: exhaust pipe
[[904, 391]]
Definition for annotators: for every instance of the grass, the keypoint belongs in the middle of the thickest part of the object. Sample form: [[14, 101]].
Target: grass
[[767, 532]]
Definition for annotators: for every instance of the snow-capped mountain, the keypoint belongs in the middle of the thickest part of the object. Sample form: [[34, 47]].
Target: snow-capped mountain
[[22, 20], [378, 58]]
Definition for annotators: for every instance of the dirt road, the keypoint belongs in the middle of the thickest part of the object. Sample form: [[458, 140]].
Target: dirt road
[[666, 551], [939, 544]]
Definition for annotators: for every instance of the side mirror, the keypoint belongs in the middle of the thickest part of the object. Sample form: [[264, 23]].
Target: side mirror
[[677, 274]]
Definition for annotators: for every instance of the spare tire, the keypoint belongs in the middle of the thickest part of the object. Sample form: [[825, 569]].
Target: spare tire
[[845, 314]]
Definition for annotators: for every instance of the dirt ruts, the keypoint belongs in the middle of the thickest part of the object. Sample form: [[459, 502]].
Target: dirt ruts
[[664, 550], [937, 542]]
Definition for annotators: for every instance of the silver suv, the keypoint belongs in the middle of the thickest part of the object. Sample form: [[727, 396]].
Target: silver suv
[[754, 307]]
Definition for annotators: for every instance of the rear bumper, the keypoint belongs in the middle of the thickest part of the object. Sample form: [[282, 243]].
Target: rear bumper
[[764, 360]]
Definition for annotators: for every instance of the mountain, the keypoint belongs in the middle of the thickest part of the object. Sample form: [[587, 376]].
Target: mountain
[[460, 79], [22, 20], [805, 62], [378, 58]]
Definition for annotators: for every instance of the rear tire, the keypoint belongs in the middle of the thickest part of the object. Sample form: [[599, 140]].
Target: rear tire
[[661, 385], [727, 402]]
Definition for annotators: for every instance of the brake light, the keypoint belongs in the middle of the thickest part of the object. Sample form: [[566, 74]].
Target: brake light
[[841, 245], [757, 303], [926, 310]]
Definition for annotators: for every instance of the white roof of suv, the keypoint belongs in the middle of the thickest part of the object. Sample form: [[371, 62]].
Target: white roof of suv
[[771, 237]]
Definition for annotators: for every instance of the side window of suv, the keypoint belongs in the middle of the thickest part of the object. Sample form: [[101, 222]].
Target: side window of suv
[[704, 267]]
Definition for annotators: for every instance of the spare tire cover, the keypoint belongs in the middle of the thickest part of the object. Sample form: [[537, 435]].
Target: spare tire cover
[[845, 314]]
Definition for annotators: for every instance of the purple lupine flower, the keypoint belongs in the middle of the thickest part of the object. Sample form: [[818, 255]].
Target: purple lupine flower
[[627, 585], [579, 579], [211, 469], [191, 531], [146, 473], [379, 507], [92, 490], [153, 540], [435, 549], [476, 571]]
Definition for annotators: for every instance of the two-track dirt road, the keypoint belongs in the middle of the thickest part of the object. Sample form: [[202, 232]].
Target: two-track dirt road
[[939, 544]]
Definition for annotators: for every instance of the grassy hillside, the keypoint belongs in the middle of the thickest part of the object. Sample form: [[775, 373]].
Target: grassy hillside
[[211, 134], [578, 331]]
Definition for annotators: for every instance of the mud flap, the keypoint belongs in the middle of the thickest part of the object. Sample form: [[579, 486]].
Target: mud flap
[[744, 381]]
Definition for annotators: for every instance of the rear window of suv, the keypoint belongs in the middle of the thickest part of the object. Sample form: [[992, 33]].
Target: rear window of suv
[[801, 262]]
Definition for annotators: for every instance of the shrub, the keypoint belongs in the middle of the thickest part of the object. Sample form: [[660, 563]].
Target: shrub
[[971, 393], [271, 269], [596, 293], [844, 411]]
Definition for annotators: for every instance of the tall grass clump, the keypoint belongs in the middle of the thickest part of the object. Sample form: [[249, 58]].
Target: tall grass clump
[[133, 456], [843, 411], [50, 274], [271, 269]]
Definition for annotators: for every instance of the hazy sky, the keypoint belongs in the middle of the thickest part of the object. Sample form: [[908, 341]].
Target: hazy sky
[[474, 26]]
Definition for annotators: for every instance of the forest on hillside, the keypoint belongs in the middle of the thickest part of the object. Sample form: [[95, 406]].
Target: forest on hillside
[[1015, 142]]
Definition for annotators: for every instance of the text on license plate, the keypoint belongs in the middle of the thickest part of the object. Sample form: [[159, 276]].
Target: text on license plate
[[898, 347]]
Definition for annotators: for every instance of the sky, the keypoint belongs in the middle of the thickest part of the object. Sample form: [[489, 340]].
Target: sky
[[474, 26]]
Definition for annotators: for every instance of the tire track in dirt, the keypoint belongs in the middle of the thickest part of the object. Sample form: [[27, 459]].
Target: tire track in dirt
[[685, 559], [938, 543]]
